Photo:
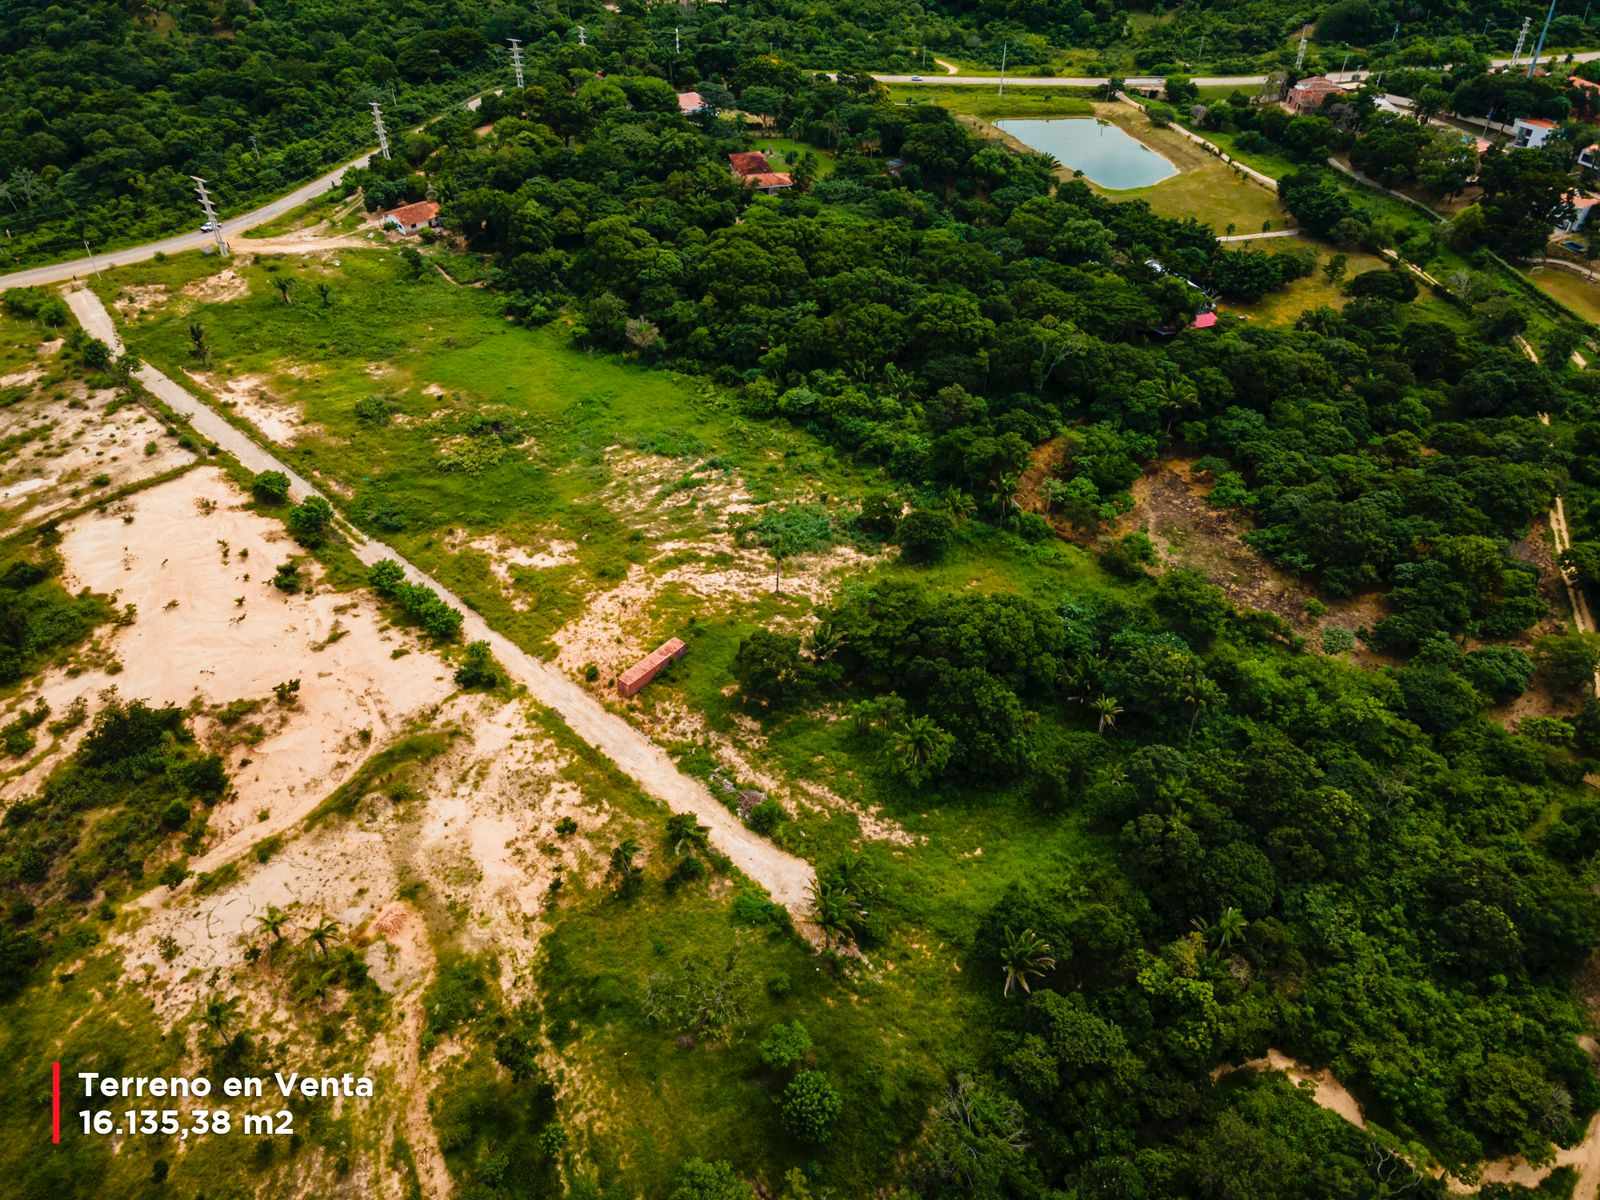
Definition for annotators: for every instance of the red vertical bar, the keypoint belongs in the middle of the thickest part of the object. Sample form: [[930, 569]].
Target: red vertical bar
[[55, 1104]]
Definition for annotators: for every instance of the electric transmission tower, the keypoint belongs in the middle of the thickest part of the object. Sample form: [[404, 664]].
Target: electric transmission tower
[[1300, 58], [1521, 38], [383, 134], [213, 224], [583, 36], [516, 61]]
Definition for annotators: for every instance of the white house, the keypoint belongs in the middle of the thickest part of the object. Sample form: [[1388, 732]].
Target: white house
[[411, 218], [1589, 158], [1582, 206], [1529, 133]]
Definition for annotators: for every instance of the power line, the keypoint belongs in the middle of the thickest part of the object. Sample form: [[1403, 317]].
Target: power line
[[212, 223], [383, 135]]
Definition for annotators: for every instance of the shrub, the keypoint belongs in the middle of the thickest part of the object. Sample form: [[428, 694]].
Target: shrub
[[270, 487], [421, 604], [811, 1105], [386, 577], [373, 410], [700, 1180], [287, 577], [309, 521], [785, 1045], [478, 670], [765, 817], [925, 536]]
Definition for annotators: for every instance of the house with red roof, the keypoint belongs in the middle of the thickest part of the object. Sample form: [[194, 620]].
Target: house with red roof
[[412, 218], [754, 171], [690, 103], [1311, 94], [1529, 133]]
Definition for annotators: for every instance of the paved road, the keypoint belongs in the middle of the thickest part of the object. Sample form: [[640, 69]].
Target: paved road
[[80, 267], [1144, 81], [786, 877]]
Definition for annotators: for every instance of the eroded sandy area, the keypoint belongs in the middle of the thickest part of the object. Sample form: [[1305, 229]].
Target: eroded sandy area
[[208, 628], [247, 395], [65, 443]]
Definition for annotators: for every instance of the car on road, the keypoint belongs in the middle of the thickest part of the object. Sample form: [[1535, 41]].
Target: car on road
[[916, 79], [209, 227]]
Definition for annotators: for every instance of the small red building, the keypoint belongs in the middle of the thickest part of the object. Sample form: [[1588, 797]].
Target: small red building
[[749, 162], [632, 681], [409, 218]]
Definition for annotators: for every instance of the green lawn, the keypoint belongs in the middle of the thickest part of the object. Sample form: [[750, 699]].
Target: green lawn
[[784, 152], [982, 102]]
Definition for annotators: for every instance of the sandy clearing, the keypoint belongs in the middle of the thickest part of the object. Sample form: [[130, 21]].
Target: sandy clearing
[[137, 299], [185, 571], [248, 397], [22, 378], [81, 438], [786, 877], [227, 284]]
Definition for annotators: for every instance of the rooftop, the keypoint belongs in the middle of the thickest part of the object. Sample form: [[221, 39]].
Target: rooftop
[[749, 162], [419, 213], [769, 179], [1535, 122], [690, 102]]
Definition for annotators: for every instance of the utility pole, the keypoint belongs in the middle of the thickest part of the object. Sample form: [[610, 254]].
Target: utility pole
[[1346, 61], [1004, 46], [677, 39], [1521, 37], [516, 61], [93, 266], [211, 215], [1300, 57], [383, 134], [1395, 36], [1548, 17], [255, 145], [1201, 57]]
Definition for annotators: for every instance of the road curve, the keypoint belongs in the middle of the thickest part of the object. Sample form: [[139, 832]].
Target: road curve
[[786, 877], [77, 268]]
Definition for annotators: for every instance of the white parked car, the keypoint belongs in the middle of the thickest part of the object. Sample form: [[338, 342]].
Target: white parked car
[[208, 227]]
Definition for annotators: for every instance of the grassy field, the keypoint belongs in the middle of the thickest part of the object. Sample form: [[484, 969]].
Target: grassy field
[[446, 362], [1314, 291], [1577, 293], [777, 148], [981, 102]]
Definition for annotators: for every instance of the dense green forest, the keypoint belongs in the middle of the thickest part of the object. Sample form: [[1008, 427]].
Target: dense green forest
[[107, 109], [1303, 855]]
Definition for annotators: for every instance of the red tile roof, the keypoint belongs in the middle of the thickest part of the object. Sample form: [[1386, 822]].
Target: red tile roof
[[1536, 122], [690, 102], [769, 179], [419, 213], [1203, 320], [749, 162]]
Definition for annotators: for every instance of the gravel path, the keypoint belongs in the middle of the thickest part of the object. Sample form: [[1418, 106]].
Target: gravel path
[[786, 877]]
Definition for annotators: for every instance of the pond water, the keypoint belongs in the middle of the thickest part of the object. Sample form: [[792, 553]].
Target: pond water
[[1105, 153]]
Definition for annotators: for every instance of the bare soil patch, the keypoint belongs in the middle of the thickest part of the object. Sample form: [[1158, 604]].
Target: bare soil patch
[[139, 298], [220, 288], [70, 437], [277, 420], [210, 628]]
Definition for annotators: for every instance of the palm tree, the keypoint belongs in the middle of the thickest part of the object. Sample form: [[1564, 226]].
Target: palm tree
[[197, 342], [1109, 710], [284, 284], [273, 922], [916, 746], [831, 905], [685, 834], [623, 868], [323, 932], [219, 1014], [1231, 925], [1023, 957]]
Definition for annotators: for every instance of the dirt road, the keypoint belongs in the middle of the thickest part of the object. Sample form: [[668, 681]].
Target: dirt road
[[786, 877]]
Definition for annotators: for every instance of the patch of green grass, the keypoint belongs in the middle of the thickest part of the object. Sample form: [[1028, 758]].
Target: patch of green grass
[[783, 153], [451, 364], [319, 208], [981, 102]]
